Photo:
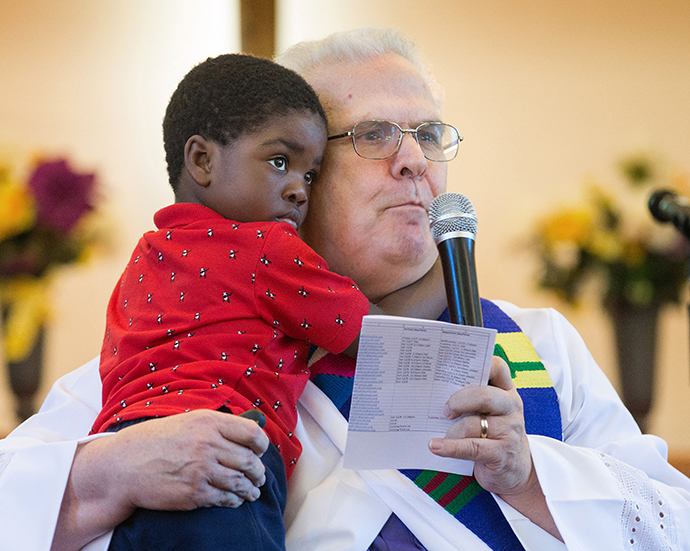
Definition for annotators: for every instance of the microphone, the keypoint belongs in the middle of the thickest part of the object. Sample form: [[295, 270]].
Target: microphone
[[666, 206], [454, 227]]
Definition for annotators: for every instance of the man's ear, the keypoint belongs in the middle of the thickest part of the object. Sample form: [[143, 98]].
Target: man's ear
[[198, 158]]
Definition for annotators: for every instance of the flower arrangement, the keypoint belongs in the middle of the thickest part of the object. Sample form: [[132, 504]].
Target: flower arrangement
[[614, 238], [46, 220]]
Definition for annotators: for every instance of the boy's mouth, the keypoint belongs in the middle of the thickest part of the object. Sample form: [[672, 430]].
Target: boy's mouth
[[293, 218]]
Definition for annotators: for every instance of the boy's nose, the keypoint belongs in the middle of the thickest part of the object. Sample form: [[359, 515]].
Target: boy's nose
[[296, 192]]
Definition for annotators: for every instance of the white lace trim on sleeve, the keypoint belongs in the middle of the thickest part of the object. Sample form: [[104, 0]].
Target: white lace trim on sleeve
[[647, 521]]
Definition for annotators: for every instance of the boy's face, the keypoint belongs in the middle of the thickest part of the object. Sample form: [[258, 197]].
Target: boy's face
[[267, 174]]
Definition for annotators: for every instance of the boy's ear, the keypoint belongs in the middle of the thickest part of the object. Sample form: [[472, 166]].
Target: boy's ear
[[198, 158]]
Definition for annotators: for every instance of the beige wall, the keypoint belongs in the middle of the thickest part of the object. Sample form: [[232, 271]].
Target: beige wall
[[545, 93]]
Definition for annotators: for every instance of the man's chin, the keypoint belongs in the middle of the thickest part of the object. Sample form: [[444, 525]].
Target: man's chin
[[410, 246], [402, 267]]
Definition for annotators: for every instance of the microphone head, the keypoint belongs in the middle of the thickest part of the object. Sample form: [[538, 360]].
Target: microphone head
[[657, 208], [452, 215]]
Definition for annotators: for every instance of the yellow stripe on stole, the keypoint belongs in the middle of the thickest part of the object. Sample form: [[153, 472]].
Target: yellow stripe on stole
[[532, 379], [517, 347]]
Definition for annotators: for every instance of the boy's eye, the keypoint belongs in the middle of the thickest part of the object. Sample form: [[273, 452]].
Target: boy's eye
[[279, 162]]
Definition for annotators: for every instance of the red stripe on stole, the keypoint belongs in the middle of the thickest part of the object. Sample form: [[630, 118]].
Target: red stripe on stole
[[435, 482], [456, 490], [334, 364]]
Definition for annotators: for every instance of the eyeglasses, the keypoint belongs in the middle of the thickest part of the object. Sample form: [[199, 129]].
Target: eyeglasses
[[381, 139]]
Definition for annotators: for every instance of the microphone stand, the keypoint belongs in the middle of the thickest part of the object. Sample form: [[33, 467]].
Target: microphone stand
[[666, 206]]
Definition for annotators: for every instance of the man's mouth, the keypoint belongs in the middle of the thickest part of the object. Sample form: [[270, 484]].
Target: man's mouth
[[411, 204]]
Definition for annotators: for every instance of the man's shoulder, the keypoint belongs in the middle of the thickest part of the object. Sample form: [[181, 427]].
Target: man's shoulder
[[532, 313]]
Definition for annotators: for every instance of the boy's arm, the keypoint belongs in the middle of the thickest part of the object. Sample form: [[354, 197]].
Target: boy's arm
[[424, 299]]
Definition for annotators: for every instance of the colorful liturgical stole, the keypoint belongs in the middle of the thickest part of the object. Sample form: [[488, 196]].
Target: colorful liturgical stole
[[462, 496]]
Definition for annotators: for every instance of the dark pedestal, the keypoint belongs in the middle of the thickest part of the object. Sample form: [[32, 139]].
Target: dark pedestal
[[25, 379], [635, 331]]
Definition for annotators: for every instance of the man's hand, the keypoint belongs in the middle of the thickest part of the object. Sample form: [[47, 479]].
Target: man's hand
[[198, 459], [502, 459], [503, 462]]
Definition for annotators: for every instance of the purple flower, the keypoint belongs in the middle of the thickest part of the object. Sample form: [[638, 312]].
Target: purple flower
[[62, 196]]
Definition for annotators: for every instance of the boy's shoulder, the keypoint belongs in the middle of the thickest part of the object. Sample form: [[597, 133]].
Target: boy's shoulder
[[192, 216]]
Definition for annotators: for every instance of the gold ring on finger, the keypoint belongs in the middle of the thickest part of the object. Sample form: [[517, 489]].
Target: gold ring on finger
[[483, 425]]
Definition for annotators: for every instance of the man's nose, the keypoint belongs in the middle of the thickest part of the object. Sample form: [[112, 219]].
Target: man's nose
[[296, 192], [409, 161]]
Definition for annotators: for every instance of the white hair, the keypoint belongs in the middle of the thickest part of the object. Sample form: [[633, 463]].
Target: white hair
[[359, 45]]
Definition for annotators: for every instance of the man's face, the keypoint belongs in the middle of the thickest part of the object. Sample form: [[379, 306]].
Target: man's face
[[369, 219]]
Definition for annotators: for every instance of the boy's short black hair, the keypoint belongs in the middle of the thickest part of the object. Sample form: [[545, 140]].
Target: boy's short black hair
[[226, 96]]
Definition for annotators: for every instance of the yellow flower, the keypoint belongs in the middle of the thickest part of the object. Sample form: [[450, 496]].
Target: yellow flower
[[610, 236], [16, 208], [605, 245], [568, 225], [26, 299]]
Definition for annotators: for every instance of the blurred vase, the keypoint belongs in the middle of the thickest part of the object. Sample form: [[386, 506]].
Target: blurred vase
[[635, 329], [25, 375]]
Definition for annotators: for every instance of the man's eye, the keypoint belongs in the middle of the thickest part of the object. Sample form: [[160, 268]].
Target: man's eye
[[429, 136], [279, 162], [371, 136], [310, 177]]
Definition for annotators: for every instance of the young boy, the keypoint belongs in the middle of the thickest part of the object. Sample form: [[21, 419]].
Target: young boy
[[218, 308]]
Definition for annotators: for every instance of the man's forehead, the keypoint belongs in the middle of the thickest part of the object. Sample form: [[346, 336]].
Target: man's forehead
[[387, 87]]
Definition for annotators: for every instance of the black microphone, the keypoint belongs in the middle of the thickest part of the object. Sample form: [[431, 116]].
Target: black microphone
[[666, 206], [454, 227]]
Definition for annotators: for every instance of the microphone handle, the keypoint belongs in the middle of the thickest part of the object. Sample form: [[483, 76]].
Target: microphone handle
[[460, 277]]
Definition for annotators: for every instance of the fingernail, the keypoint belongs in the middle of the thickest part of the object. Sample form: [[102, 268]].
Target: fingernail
[[446, 410], [256, 494], [435, 445]]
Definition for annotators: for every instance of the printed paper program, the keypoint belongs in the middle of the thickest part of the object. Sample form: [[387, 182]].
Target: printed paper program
[[406, 371]]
